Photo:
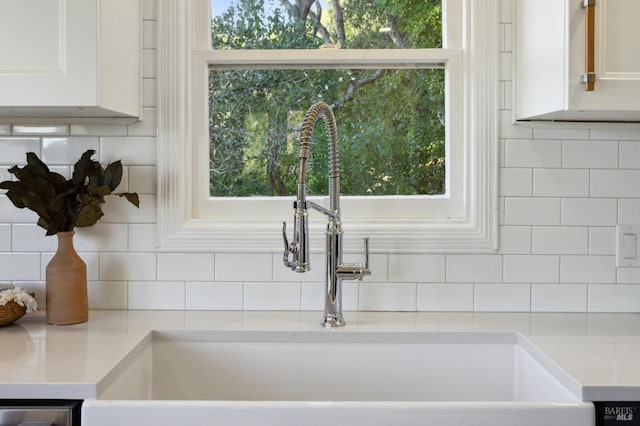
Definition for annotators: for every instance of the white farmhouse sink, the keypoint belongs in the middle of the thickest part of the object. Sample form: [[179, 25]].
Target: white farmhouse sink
[[346, 378]]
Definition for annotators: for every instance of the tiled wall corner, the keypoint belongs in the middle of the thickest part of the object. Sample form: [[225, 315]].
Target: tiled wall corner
[[562, 192]]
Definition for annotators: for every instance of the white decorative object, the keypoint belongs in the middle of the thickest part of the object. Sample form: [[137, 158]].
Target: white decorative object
[[19, 296], [14, 304]]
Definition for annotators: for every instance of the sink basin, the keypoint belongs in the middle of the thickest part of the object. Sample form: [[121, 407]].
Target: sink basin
[[311, 378]]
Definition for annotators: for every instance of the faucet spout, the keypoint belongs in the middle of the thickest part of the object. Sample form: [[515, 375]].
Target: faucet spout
[[296, 253]]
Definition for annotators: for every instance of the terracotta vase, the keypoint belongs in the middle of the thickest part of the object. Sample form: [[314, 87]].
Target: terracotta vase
[[67, 301]]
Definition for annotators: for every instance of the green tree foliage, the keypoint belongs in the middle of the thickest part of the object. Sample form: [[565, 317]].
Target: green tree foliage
[[390, 121]]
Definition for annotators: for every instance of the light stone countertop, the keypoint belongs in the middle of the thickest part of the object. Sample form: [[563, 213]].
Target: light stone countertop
[[600, 351]]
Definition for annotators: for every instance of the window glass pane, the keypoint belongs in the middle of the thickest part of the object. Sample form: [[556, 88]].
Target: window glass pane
[[391, 130], [310, 24]]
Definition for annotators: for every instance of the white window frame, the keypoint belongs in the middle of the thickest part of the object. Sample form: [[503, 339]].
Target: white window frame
[[464, 220]]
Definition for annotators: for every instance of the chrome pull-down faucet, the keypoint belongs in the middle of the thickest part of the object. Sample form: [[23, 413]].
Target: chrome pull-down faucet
[[296, 253]]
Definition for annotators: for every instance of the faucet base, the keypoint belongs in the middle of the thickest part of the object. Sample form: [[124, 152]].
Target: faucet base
[[333, 320]]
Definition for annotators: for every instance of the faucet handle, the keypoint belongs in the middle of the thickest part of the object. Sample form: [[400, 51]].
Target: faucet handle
[[287, 248], [367, 271], [356, 271]]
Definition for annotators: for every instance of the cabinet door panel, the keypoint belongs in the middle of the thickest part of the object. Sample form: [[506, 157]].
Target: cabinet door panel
[[23, 26], [619, 39], [48, 54], [617, 35]]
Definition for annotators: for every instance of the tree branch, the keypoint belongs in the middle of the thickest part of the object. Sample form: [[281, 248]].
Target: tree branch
[[338, 17], [396, 36], [354, 85], [299, 14]]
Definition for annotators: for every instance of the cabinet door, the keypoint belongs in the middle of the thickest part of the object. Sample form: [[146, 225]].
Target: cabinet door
[[48, 52], [617, 38]]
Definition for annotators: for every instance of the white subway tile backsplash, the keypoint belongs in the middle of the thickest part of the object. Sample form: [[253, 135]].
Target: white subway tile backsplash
[[615, 183], [225, 296], [312, 297], [516, 182], [350, 295], [515, 239], [133, 151], [40, 130], [98, 130], [234, 267], [614, 298], [531, 211], [149, 10], [271, 296], [148, 34], [148, 63], [628, 275], [142, 237], [387, 297], [473, 268], [506, 11], [629, 155], [508, 95], [156, 295], [448, 297], [147, 126], [416, 268], [14, 150], [629, 211], [502, 101], [5, 129], [68, 149], [602, 240], [5, 237], [507, 45], [589, 154], [107, 294], [560, 183], [92, 261], [127, 266], [119, 210], [588, 269], [28, 237], [589, 211], [531, 268], [102, 237], [508, 130], [185, 266], [4, 175], [558, 297], [504, 60], [563, 133], [560, 240], [148, 93], [142, 179], [502, 297], [533, 153], [620, 134], [19, 266]]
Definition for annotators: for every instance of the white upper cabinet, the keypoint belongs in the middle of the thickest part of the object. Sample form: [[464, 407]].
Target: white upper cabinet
[[553, 48], [70, 59]]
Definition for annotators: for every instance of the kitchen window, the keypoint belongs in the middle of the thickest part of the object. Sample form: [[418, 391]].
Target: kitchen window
[[461, 216]]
